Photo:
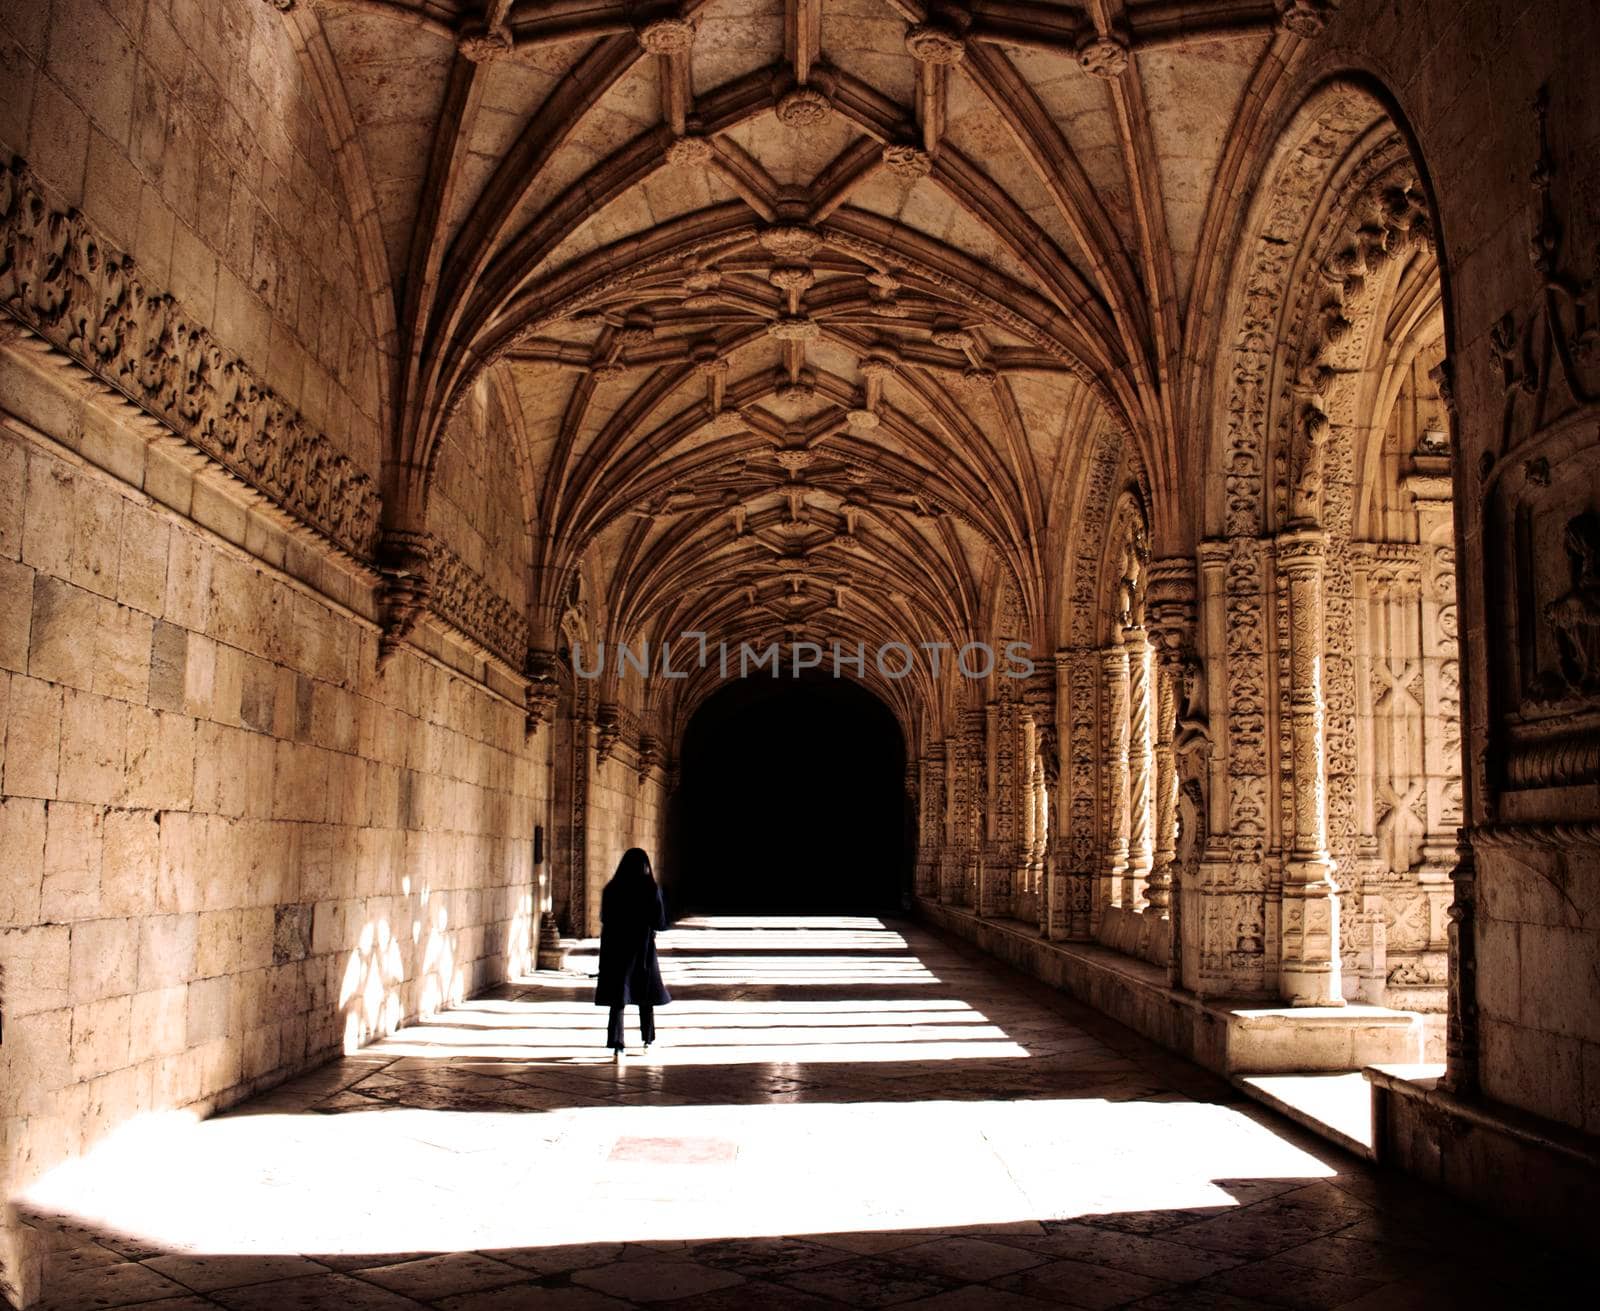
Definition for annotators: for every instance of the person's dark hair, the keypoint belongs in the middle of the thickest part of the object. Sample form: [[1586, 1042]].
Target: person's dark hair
[[634, 867]]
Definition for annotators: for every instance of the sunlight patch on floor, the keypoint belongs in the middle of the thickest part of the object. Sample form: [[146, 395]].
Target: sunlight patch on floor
[[417, 1180]]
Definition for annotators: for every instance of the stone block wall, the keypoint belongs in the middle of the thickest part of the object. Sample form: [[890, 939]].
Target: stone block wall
[[1538, 977], [188, 133], [229, 847], [475, 504]]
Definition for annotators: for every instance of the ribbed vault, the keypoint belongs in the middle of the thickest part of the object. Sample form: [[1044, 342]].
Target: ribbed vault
[[811, 312]]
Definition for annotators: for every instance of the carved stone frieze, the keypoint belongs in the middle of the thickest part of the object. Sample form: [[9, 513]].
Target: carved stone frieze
[[66, 283], [465, 601]]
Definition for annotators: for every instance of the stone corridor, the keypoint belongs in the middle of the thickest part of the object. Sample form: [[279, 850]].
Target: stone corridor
[[842, 1112]]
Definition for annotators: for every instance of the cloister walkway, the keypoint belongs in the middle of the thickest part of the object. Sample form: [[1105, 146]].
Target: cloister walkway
[[842, 1112]]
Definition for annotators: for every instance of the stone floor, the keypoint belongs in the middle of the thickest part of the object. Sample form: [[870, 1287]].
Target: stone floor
[[841, 1113]]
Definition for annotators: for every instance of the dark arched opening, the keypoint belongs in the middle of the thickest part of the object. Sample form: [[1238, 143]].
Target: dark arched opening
[[791, 799]]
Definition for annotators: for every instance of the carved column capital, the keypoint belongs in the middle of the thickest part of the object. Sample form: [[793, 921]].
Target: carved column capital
[[1172, 606], [608, 729], [649, 754], [542, 669], [1301, 549], [405, 566]]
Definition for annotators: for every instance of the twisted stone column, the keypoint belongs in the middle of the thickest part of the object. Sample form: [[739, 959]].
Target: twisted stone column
[[1308, 970], [1114, 855], [1141, 783], [1159, 889]]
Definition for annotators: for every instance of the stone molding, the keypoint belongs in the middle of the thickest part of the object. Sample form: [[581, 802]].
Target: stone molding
[[467, 603], [86, 298]]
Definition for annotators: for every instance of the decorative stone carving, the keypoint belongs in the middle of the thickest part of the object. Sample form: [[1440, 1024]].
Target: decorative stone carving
[[976, 379], [862, 420], [934, 43], [797, 327], [953, 338], [666, 36], [85, 298], [406, 567], [795, 393], [789, 241], [1305, 18], [465, 601], [803, 107], [791, 277], [908, 162], [481, 46], [542, 670], [689, 152], [1105, 57], [607, 732], [649, 754], [1309, 968], [1574, 617], [1461, 1024]]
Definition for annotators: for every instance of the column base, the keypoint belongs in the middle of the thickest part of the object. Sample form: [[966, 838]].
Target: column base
[[1228, 1037], [551, 953]]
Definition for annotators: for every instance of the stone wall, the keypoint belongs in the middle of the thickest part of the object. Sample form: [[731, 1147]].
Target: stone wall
[[475, 503], [188, 134], [229, 847], [1466, 76]]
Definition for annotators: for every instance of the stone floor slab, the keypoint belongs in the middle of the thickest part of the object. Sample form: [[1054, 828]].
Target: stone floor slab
[[877, 1117]]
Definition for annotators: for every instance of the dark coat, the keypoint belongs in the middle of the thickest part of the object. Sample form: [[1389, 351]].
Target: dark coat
[[630, 974]]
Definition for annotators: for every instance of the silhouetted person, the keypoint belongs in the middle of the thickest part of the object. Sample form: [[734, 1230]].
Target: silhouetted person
[[631, 911]]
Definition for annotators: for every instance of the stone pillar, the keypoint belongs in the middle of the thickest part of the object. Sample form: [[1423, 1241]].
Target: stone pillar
[[1040, 857], [949, 850], [969, 820], [1141, 781], [1025, 887], [997, 852], [1158, 891], [1461, 1023], [1080, 673], [1114, 852], [930, 821], [582, 766], [1058, 854], [1171, 607], [1308, 969]]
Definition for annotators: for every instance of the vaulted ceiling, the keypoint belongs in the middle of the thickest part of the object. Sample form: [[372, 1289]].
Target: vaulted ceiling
[[814, 308]]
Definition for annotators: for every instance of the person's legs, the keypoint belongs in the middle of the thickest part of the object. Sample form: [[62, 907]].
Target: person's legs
[[647, 1023], [614, 1029]]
